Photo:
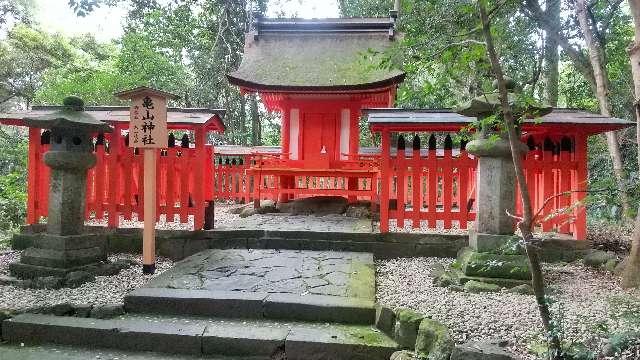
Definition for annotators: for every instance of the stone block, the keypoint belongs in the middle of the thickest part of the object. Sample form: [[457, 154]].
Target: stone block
[[319, 308], [232, 340], [195, 302], [403, 355], [524, 289], [70, 242], [481, 350], [75, 279], [406, 328], [475, 287], [482, 242], [108, 311], [598, 258], [125, 242], [83, 310], [21, 241], [48, 282], [497, 266], [495, 195], [433, 341], [385, 319], [63, 259]]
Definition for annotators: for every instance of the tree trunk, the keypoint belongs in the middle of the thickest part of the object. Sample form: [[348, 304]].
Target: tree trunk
[[551, 56], [631, 274], [256, 127], [602, 94], [526, 224]]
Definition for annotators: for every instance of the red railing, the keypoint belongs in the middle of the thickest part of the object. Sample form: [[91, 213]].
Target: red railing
[[557, 165], [423, 186], [115, 183], [431, 185]]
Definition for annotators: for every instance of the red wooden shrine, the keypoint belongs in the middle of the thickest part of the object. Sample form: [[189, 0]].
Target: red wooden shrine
[[315, 75]]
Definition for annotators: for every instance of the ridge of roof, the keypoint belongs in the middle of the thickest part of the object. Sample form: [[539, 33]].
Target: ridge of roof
[[297, 25]]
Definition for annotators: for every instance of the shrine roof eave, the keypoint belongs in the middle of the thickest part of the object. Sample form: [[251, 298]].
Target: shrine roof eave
[[250, 86], [560, 120], [177, 118]]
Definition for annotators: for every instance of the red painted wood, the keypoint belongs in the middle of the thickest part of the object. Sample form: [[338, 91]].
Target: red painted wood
[[447, 186], [400, 166], [416, 188], [115, 148], [384, 192], [33, 175], [432, 188]]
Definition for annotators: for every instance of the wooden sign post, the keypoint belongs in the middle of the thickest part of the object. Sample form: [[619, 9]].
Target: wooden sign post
[[148, 131]]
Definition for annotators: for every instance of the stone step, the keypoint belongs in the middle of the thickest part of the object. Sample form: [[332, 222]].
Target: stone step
[[56, 352], [202, 336], [253, 305]]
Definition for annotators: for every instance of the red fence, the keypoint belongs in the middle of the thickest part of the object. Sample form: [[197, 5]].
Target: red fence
[[115, 184], [431, 185], [422, 186]]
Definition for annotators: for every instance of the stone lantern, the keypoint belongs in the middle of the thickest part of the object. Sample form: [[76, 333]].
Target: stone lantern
[[64, 247], [496, 182]]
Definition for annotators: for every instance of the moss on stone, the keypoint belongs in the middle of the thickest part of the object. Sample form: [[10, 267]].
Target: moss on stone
[[433, 341], [480, 287], [498, 266], [408, 316], [362, 281]]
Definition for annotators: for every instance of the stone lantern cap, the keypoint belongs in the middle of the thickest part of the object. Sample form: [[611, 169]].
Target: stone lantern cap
[[488, 104], [71, 116]]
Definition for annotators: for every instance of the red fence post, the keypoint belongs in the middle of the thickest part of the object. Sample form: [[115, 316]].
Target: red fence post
[[386, 174], [416, 183], [401, 166], [33, 163]]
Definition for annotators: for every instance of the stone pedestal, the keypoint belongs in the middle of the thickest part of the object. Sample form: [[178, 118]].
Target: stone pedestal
[[495, 193], [54, 255]]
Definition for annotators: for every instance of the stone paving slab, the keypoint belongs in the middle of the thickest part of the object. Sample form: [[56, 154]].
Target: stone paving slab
[[343, 274]]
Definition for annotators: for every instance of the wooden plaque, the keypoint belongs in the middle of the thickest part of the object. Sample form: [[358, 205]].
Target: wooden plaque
[[148, 124]]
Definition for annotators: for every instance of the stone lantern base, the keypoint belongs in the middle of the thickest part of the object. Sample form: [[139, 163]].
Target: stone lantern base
[[55, 255]]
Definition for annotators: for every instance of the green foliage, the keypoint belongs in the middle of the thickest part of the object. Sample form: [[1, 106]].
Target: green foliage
[[25, 55], [13, 197]]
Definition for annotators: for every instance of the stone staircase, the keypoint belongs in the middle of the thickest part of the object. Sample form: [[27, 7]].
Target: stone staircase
[[241, 303]]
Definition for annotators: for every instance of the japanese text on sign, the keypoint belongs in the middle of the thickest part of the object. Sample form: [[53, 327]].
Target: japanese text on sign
[[148, 126]]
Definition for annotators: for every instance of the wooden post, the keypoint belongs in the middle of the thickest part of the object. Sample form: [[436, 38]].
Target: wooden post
[[386, 175], [148, 131], [35, 153], [149, 232]]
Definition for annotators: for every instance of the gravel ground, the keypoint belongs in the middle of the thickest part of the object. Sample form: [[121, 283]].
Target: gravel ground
[[587, 302], [104, 290]]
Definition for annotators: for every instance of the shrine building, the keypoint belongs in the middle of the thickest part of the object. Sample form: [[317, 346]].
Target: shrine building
[[322, 77]]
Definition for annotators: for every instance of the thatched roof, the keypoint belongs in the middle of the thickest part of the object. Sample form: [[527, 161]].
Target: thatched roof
[[329, 54]]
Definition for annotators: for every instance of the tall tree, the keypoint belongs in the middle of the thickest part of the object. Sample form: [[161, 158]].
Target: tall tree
[[593, 67], [551, 56], [526, 223], [631, 274]]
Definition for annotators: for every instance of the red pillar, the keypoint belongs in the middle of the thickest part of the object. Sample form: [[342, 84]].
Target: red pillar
[[354, 143], [33, 175], [385, 173], [199, 183], [115, 148], [285, 181], [580, 184]]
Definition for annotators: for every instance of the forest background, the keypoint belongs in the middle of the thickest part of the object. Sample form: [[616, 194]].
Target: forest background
[[187, 46]]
